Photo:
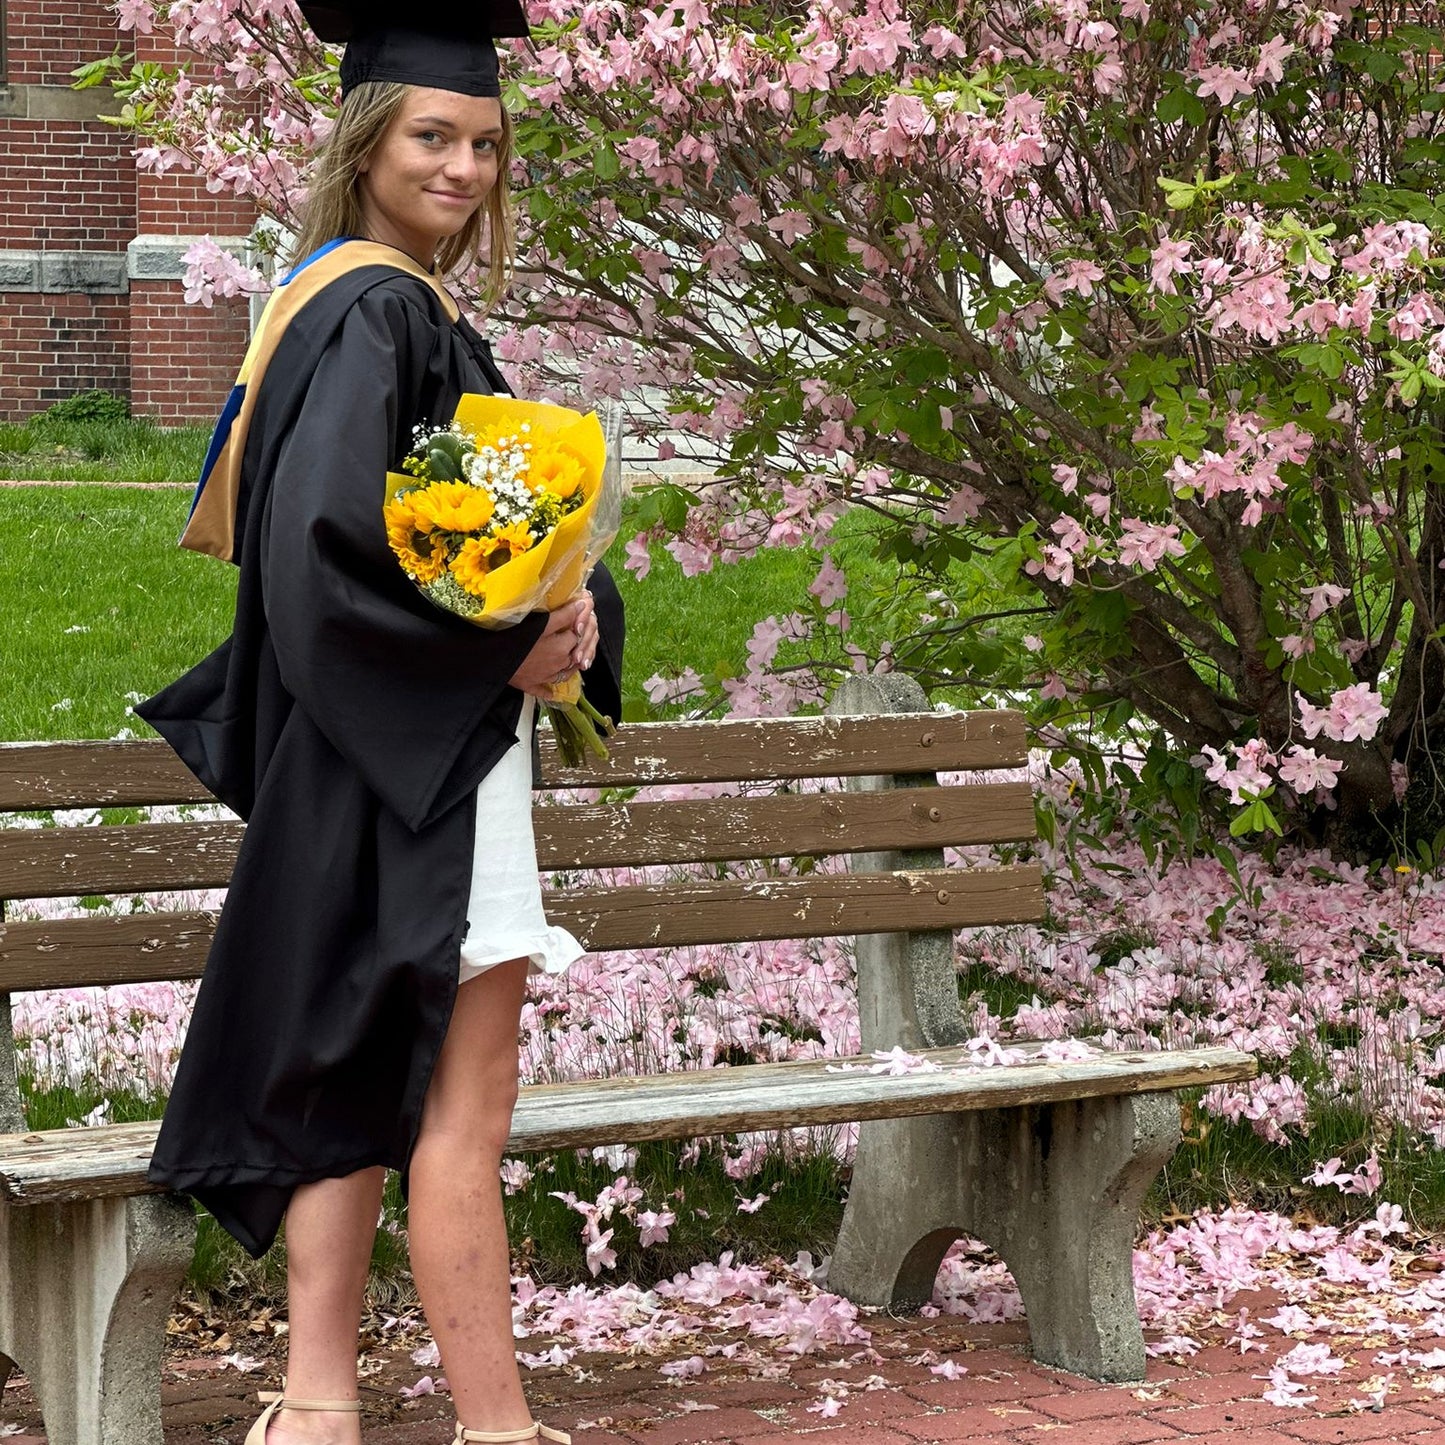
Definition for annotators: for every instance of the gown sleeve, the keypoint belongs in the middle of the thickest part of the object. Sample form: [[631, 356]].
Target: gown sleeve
[[602, 682], [400, 688]]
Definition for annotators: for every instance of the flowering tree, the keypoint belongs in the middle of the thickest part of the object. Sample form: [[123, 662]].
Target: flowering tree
[[1123, 316]]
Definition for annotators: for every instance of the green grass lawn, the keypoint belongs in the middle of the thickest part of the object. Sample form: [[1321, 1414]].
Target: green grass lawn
[[45, 449], [98, 604]]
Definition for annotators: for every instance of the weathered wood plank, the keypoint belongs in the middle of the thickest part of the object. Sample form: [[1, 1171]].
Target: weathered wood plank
[[134, 948], [67, 1164], [98, 951], [94, 775], [145, 857], [141, 771], [134, 858], [786, 825], [820, 905], [745, 749]]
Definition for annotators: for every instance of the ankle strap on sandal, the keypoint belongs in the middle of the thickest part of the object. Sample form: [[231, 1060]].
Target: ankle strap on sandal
[[534, 1431], [283, 1401]]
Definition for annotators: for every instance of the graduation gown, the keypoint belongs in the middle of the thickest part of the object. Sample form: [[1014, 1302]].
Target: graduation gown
[[349, 721]]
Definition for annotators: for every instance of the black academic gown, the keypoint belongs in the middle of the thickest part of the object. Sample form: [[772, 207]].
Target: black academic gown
[[349, 721]]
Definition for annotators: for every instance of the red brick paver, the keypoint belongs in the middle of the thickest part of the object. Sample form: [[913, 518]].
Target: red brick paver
[[1003, 1398]]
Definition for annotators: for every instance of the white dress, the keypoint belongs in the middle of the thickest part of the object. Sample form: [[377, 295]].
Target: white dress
[[504, 913]]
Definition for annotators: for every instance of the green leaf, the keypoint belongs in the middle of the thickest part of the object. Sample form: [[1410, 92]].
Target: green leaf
[[443, 465], [1180, 103], [97, 72]]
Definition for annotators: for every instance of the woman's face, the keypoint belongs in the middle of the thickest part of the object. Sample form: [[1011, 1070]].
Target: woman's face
[[431, 170]]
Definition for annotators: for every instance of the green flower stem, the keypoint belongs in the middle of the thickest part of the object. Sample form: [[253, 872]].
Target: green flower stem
[[579, 729]]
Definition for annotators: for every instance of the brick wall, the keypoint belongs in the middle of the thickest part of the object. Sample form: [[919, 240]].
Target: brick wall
[[65, 185], [73, 314], [183, 359], [47, 39], [57, 345]]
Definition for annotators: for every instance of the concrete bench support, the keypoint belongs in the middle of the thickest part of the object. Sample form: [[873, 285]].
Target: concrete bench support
[[1054, 1189], [85, 1290]]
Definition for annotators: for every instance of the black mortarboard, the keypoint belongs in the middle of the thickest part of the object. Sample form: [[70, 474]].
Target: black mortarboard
[[442, 44]]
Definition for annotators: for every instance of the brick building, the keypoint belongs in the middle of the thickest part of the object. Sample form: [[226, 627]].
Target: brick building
[[90, 250]]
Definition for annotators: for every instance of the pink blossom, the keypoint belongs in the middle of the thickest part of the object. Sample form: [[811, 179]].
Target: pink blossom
[[653, 1226], [1169, 259], [1146, 544], [1246, 775], [1270, 64], [211, 271], [1075, 275], [791, 226], [943, 44], [1389, 1219], [1305, 770], [693, 557], [1224, 82], [599, 1255], [1322, 598], [662, 689], [136, 15], [1057, 564], [639, 555], [830, 585], [1399, 779], [1352, 712], [746, 210], [964, 504], [1318, 316], [1311, 1359], [515, 1175]]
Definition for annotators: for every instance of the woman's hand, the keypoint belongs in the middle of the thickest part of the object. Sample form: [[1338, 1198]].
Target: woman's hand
[[567, 645]]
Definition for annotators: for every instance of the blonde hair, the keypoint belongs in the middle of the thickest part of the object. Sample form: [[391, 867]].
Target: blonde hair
[[333, 203]]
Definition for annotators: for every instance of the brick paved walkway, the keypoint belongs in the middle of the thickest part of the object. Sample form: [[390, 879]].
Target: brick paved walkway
[[885, 1397]]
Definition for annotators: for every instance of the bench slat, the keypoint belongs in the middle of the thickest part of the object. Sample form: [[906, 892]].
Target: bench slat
[[758, 749], [74, 952], [134, 858], [819, 905], [133, 773], [144, 857], [66, 1164]]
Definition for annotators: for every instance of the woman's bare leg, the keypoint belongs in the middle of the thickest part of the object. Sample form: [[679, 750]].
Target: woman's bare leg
[[329, 1230], [458, 1236]]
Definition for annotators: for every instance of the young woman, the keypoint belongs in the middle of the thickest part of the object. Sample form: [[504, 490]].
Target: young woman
[[361, 1000]]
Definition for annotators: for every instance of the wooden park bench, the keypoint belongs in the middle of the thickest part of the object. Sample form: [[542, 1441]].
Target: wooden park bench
[[1046, 1161]]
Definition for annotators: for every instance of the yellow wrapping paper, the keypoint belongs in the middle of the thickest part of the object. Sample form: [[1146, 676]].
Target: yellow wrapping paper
[[557, 567]]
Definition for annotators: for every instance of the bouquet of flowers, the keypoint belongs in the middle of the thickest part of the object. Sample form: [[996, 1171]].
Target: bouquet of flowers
[[504, 512]]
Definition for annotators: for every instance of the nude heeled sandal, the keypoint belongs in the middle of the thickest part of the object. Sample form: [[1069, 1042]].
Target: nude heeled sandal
[[256, 1435], [534, 1431]]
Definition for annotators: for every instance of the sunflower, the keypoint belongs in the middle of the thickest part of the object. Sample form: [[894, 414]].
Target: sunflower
[[500, 437], [555, 471], [471, 565], [515, 538], [413, 544], [451, 507]]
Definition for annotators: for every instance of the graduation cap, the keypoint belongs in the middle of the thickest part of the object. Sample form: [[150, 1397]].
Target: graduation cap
[[441, 44]]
